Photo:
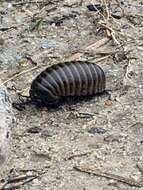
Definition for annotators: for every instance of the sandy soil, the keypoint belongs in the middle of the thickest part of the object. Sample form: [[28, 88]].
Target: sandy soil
[[102, 134]]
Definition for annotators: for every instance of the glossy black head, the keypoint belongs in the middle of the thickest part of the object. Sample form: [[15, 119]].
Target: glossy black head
[[40, 95]]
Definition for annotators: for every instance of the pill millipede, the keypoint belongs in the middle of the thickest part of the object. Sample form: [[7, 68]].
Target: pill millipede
[[67, 79]]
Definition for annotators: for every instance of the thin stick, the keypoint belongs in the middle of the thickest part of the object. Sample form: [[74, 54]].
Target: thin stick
[[19, 185], [23, 179], [19, 74], [98, 44], [19, 178], [3, 29], [107, 10], [95, 45], [100, 173], [112, 33], [98, 12], [140, 168], [102, 58], [31, 2], [72, 156]]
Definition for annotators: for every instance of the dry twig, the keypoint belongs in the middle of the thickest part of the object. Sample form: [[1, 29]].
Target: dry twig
[[32, 2], [107, 10], [98, 44], [72, 156], [104, 23], [19, 74], [17, 180], [140, 168], [93, 46], [3, 29], [110, 32], [100, 173]]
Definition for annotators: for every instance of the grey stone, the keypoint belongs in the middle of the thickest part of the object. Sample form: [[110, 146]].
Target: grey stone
[[6, 124]]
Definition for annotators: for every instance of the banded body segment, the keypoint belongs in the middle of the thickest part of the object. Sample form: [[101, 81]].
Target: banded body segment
[[101, 77], [47, 76], [97, 78], [84, 79], [94, 77], [57, 73], [89, 77], [70, 78], [74, 80]]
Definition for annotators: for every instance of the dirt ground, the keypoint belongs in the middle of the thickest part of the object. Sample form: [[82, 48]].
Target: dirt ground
[[95, 144]]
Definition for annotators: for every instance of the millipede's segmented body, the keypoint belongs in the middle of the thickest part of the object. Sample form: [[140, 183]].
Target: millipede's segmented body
[[76, 78]]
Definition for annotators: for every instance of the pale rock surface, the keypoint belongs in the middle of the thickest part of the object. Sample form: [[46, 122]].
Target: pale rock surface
[[6, 124]]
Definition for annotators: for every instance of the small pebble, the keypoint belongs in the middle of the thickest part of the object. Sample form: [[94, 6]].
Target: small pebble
[[1, 41], [98, 130], [108, 103], [34, 130]]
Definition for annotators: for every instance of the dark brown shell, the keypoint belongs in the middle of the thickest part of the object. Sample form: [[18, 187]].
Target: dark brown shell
[[76, 78]]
